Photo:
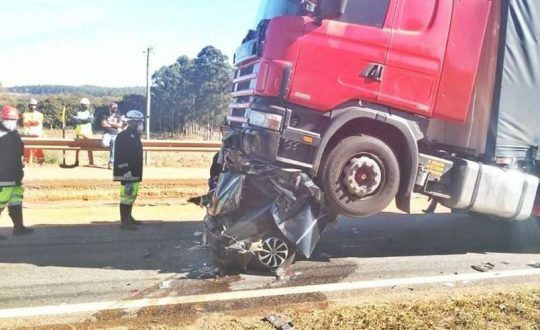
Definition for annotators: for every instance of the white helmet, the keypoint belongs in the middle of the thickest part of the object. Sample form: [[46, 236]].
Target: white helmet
[[134, 115], [84, 101], [32, 102]]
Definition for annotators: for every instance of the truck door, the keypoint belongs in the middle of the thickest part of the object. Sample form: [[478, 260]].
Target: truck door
[[416, 55], [342, 59]]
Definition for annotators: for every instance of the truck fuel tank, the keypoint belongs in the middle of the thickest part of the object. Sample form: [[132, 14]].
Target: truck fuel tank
[[491, 190]]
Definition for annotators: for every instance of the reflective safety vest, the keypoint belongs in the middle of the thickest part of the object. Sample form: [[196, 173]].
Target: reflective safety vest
[[84, 124], [32, 123]]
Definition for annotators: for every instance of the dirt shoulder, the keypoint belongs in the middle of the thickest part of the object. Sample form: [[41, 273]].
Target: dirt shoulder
[[500, 307], [106, 191], [83, 184], [86, 173]]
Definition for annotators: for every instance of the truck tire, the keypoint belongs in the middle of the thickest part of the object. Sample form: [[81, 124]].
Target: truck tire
[[360, 176]]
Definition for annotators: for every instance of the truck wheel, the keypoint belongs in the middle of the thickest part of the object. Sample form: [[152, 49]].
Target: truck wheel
[[360, 176]]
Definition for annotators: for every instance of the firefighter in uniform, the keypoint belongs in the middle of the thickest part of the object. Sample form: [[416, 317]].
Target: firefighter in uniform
[[11, 169], [128, 166]]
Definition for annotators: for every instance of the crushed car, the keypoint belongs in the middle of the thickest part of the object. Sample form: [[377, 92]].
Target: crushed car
[[260, 215]]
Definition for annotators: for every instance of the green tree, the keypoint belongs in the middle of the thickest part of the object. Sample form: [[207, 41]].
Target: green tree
[[173, 96], [132, 102], [191, 91], [213, 81]]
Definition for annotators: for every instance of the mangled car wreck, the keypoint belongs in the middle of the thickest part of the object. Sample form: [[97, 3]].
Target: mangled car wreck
[[261, 214], [341, 107]]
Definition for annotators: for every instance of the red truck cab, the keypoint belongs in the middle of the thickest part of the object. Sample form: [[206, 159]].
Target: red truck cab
[[317, 81], [407, 54], [335, 108]]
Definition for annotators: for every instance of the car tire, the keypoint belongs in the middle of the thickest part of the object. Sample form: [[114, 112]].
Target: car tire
[[284, 256]]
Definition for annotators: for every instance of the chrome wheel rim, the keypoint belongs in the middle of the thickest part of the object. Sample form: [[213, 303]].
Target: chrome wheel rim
[[362, 176], [274, 252]]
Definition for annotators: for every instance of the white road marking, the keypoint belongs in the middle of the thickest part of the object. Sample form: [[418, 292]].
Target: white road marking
[[249, 294]]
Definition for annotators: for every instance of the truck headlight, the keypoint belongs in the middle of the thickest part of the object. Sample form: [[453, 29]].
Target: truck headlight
[[266, 120]]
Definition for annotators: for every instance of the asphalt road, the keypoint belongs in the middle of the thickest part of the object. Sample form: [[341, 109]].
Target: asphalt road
[[78, 264]]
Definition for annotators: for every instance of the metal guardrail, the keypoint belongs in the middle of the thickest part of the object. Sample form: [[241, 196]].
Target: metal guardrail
[[95, 145]]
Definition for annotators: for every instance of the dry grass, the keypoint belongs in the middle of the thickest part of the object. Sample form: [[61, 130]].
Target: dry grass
[[518, 310], [103, 191]]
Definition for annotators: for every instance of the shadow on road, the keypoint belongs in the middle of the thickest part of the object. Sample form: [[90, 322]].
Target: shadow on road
[[168, 247], [388, 235], [173, 247]]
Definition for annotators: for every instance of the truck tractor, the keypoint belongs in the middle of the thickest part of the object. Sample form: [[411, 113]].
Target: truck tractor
[[375, 100]]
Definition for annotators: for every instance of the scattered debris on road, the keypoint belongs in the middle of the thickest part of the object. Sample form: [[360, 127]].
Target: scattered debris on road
[[278, 322], [483, 267], [195, 248], [204, 272]]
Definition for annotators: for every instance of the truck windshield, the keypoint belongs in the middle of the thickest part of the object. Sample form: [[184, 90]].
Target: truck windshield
[[274, 8]]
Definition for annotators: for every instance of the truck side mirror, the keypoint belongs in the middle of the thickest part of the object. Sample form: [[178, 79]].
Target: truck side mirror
[[308, 6]]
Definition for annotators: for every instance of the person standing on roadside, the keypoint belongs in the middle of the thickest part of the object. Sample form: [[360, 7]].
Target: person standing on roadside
[[11, 170], [83, 129], [112, 125], [32, 121], [128, 167]]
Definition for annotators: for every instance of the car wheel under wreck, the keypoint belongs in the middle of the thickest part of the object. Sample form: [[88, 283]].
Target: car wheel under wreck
[[274, 252], [260, 215]]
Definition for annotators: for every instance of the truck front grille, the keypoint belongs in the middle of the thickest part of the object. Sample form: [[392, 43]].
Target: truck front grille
[[243, 91]]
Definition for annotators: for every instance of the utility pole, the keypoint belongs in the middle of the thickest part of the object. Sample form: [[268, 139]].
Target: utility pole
[[148, 51]]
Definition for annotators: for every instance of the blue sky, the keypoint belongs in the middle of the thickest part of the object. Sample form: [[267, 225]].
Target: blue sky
[[100, 42]]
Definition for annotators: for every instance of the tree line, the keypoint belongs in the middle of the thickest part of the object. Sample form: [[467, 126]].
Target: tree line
[[189, 91], [89, 90], [192, 91]]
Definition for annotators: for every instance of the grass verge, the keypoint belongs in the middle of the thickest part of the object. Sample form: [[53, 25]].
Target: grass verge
[[515, 310]]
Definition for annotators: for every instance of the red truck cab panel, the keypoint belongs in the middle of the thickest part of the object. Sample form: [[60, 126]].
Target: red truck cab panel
[[332, 58], [283, 38], [280, 51], [465, 40], [427, 54], [415, 58]]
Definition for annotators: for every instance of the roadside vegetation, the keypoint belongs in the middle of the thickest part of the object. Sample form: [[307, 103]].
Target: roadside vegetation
[[188, 96], [500, 309], [516, 310]]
